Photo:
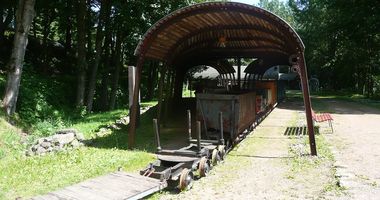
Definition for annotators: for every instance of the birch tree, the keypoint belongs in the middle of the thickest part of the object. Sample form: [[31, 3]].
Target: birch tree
[[24, 18]]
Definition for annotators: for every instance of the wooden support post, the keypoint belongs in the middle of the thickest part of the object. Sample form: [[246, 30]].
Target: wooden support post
[[131, 88], [307, 102], [239, 72], [135, 104]]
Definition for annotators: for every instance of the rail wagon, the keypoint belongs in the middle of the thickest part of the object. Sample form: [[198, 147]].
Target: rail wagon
[[237, 112]]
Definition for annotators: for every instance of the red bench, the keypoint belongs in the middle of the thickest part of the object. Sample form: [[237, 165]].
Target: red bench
[[322, 117]]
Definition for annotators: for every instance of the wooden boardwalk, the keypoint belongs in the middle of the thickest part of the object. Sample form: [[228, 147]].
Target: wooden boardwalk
[[117, 185]]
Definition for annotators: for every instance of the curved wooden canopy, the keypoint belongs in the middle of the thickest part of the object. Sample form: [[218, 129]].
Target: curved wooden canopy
[[204, 33], [193, 34]]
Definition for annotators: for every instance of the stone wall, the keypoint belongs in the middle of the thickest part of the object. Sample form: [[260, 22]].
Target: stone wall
[[60, 141]]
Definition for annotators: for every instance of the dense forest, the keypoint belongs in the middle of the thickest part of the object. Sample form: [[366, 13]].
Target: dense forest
[[77, 52]]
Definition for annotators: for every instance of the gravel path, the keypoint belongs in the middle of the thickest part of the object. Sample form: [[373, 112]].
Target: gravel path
[[259, 167], [356, 143], [262, 167]]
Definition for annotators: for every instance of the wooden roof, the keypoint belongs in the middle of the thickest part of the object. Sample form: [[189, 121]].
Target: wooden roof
[[192, 35]]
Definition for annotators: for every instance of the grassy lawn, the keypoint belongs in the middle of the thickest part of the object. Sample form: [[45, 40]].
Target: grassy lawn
[[318, 103], [23, 176]]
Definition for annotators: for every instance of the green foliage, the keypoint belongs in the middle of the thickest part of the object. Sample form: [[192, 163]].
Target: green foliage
[[342, 42], [42, 103], [279, 8]]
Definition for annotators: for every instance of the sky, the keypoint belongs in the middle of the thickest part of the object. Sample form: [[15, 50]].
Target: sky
[[251, 2], [248, 1]]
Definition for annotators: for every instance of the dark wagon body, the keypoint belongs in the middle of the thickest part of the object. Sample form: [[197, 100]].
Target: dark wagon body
[[238, 110]]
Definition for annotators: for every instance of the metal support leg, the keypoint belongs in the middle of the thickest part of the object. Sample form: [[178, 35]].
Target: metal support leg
[[189, 123], [221, 128], [199, 136], [331, 126], [157, 131]]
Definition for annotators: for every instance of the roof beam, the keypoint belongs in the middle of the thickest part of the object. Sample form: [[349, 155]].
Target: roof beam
[[205, 55], [220, 29], [219, 7], [229, 51]]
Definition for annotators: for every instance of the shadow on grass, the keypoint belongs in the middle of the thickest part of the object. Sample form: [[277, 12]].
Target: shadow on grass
[[119, 138], [343, 106], [173, 135], [334, 103]]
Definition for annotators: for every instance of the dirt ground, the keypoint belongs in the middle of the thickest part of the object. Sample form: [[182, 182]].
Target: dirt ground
[[263, 165], [356, 144], [260, 167]]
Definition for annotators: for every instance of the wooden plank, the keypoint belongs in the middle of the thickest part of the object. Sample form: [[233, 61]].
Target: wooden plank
[[75, 192], [122, 185], [117, 185], [135, 177]]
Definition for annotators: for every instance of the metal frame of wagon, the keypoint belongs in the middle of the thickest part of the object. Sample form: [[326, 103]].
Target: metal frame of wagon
[[189, 37]]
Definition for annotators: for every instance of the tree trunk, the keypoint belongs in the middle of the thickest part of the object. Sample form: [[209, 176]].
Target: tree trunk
[[68, 34], [107, 47], [116, 75], [24, 18], [104, 94], [48, 20], [81, 52], [168, 94], [160, 93], [151, 80], [104, 16], [178, 86], [89, 26]]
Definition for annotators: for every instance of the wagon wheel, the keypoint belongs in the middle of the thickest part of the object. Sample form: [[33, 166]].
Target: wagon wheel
[[222, 152], [204, 167], [215, 157], [185, 180]]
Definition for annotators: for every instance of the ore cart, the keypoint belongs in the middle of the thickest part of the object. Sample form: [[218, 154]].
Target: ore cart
[[176, 167], [237, 110]]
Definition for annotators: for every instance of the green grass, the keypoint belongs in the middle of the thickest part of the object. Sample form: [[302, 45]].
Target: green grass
[[351, 97], [25, 177], [188, 93], [9, 139], [302, 166], [304, 162], [92, 122]]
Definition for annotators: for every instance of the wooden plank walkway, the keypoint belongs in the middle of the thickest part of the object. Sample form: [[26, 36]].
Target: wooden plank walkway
[[117, 185]]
